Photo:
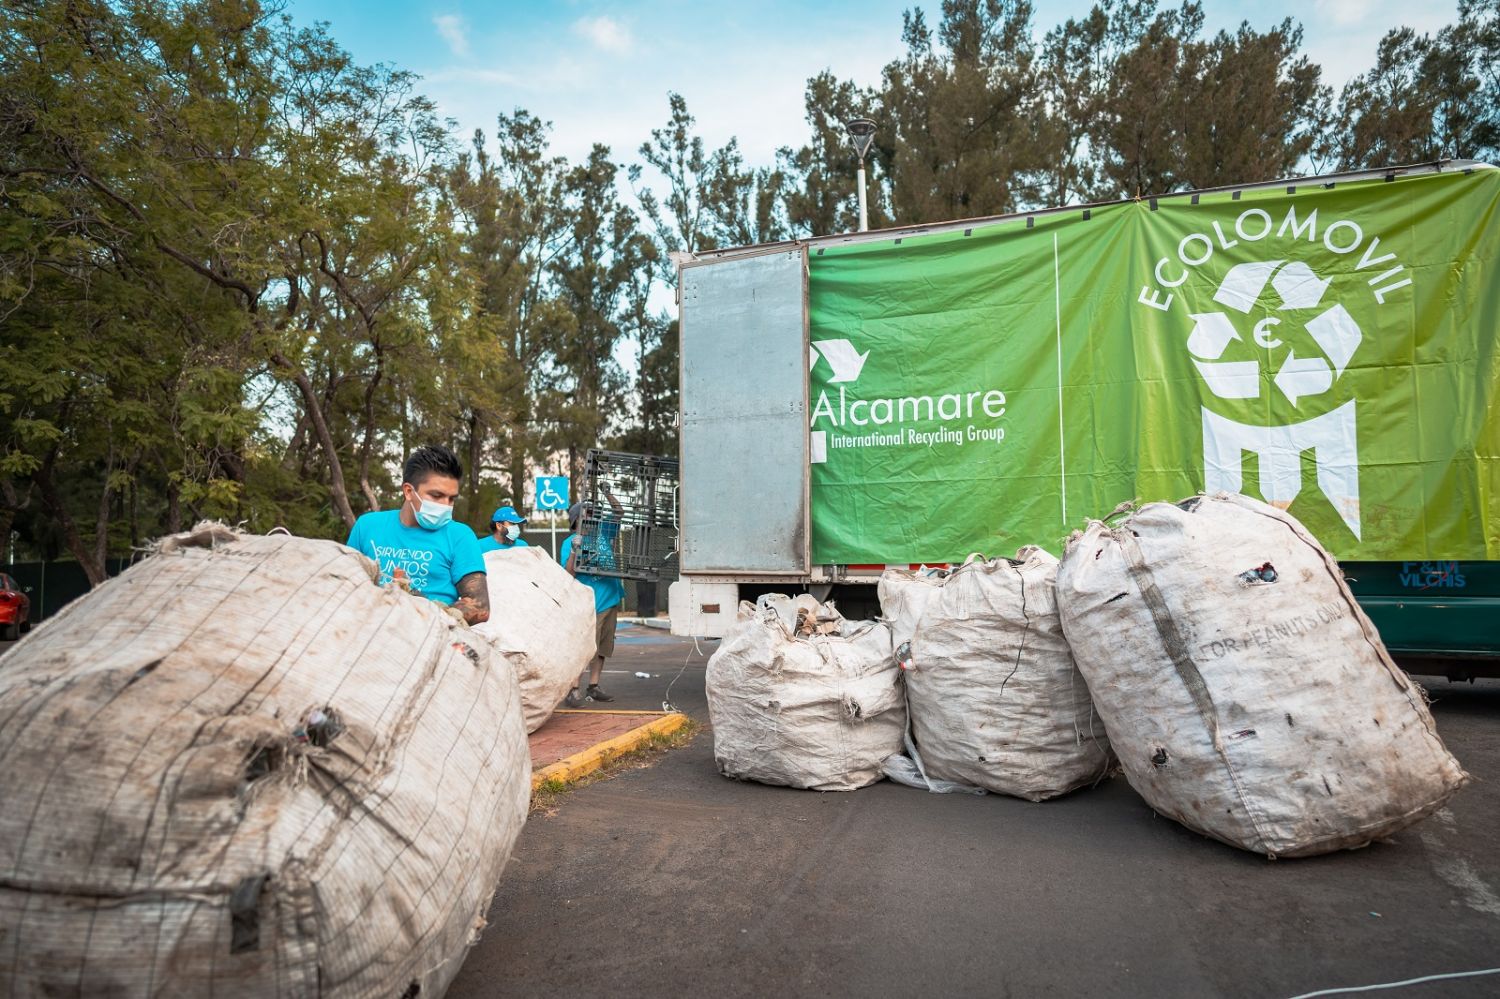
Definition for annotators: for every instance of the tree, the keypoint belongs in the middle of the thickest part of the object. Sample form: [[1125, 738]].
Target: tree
[[962, 118], [1426, 97], [820, 177], [1139, 132], [514, 230], [1249, 105], [1074, 69], [206, 204], [605, 248], [711, 200], [110, 345]]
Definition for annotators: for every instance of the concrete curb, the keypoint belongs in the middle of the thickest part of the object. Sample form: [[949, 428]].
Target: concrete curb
[[659, 623], [587, 761]]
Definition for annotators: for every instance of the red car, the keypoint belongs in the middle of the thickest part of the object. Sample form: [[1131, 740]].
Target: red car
[[15, 609]]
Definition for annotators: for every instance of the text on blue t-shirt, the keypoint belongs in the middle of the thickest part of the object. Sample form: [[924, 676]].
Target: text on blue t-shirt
[[433, 561]]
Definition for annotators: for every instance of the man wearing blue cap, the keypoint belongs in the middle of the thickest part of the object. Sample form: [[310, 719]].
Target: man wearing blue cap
[[505, 531]]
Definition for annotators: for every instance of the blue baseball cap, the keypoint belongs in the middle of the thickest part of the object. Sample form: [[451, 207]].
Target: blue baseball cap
[[507, 514]]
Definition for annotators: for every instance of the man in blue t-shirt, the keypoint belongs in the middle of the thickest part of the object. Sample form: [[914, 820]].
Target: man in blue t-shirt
[[505, 531], [419, 545], [609, 592]]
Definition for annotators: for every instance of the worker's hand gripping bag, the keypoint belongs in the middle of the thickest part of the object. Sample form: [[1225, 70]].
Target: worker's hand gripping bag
[[994, 696], [1247, 694], [241, 768], [542, 623], [801, 697]]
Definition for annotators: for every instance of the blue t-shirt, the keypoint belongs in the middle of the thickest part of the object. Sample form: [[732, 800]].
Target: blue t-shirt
[[489, 544], [434, 561], [608, 591]]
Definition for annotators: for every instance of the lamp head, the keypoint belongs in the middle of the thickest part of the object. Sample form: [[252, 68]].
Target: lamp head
[[861, 135]]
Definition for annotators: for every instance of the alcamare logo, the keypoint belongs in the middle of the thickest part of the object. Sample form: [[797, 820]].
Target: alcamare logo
[[843, 417], [845, 361]]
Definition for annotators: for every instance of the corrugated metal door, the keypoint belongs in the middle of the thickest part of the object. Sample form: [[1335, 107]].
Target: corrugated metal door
[[744, 415]]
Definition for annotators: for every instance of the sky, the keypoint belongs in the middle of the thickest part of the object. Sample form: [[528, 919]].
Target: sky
[[600, 71]]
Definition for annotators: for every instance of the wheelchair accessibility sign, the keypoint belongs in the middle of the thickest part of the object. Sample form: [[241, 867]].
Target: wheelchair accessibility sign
[[551, 492]]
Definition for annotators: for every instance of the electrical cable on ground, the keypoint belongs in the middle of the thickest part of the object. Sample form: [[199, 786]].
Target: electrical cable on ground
[[1397, 985], [666, 698]]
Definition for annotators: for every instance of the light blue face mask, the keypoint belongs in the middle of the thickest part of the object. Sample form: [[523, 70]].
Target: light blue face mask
[[433, 516]]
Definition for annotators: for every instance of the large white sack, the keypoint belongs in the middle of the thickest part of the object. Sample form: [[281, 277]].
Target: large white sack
[[174, 825], [542, 621], [818, 712], [1246, 693], [994, 697]]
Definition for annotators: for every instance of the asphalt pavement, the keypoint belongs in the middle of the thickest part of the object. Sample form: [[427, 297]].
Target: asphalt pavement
[[674, 880]]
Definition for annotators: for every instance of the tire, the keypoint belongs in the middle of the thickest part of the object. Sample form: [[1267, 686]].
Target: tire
[[25, 626], [10, 632]]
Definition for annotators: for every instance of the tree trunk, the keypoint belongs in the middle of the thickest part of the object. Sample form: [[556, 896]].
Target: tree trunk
[[13, 504], [648, 411], [174, 506], [101, 517], [336, 489], [368, 441], [291, 458], [517, 467], [92, 568], [475, 457], [134, 516]]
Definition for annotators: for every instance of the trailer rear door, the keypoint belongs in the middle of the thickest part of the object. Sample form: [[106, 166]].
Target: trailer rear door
[[744, 415]]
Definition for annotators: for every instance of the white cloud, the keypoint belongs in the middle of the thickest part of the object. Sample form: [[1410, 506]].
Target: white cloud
[[1343, 35], [604, 33], [750, 91], [454, 31], [470, 75], [1343, 12]]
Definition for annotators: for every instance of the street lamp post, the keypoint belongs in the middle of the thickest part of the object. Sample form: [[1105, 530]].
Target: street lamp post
[[861, 134]]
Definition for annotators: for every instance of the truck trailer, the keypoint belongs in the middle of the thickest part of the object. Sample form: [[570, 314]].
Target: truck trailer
[[910, 396]]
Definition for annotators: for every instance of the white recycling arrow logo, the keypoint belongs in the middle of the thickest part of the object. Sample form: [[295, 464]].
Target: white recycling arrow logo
[[1230, 363], [845, 361], [1297, 287], [1300, 376]]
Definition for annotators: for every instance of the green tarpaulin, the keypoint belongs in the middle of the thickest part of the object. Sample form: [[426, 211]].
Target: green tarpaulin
[[1331, 349]]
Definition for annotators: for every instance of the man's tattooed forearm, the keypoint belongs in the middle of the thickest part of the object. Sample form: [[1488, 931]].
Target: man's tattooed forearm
[[473, 598]]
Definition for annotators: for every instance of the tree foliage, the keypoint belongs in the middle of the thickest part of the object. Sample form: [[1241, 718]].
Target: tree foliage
[[242, 275]]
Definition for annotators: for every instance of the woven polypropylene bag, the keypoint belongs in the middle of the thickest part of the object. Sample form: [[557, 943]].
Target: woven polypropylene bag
[[820, 712], [542, 621], [1247, 694], [994, 696], [241, 768]]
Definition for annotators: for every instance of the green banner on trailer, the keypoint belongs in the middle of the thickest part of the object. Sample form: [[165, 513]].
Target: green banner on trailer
[[1331, 349]]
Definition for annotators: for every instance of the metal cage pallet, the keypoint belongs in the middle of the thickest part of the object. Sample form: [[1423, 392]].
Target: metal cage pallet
[[629, 527]]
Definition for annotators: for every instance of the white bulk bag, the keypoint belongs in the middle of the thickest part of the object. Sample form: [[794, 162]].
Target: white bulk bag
[[241, 768], [818, 712], [542, 621], [1246, 693], [994, 697]]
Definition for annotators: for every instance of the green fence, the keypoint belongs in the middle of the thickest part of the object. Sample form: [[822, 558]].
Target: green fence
[[51, 585]]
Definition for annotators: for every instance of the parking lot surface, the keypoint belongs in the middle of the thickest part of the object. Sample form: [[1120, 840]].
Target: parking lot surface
[[673, 880]]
